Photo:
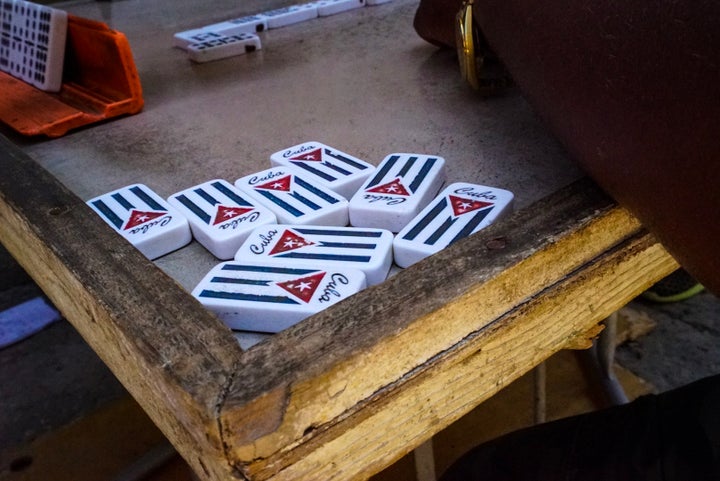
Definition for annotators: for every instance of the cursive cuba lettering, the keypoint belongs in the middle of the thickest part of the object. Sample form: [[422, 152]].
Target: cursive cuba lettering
[[302, 149], [264, 242], [471, 193], [389, 200], [233, 224], [331, 288], [254, 179], [163, 221]]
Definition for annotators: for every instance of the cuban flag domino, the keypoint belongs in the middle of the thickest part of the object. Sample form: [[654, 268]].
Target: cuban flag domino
[[400, 187], [252, 296], [144, 219], [294, 198], [326, 165], [460, 210], [220, 216], [369, 250]]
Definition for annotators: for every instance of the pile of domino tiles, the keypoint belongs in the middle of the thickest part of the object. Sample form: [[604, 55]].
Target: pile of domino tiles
[[315, 228]]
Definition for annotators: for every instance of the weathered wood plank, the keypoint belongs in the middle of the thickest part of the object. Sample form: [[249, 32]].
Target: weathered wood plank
[[169, 352], [328, 368], [346, 392], [458, 379]]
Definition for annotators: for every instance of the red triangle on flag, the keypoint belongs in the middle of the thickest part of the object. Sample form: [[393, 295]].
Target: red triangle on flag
[[461, 205], [289, 241], [138, 217], [282, 184], [312, 156], [225, 213], [394, 188], [304, 287]]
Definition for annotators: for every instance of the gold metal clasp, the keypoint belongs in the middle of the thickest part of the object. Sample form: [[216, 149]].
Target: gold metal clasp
[[465, 43], [474, 53]]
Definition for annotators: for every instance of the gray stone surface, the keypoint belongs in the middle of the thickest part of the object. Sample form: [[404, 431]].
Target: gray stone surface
[[684, 347]]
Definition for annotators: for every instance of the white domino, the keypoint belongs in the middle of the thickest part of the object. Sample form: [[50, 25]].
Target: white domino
[[294, 198], [235, 26], [285, 16], [223, 46], [460, 210], [144, 219], [400, 188], [369, 250], [332, 7], [220, 216], [326, 165], [247, 24], [199, 35], [32, 43], [269, 297]]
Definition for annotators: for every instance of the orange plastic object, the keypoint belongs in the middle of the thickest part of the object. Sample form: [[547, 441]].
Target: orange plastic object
[[100, 81]]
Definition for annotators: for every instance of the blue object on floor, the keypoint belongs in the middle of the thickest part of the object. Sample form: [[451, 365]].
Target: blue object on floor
[[24, 320]]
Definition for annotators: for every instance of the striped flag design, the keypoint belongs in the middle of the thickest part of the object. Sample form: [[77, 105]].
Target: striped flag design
[[129, 207], [268, 298], [445, 224], [369, 250], [144, 219], [326, 165], [295, 199], [254, 283], [213, 203], [221, 217], [460, 210], [402, 185], [403, 169]]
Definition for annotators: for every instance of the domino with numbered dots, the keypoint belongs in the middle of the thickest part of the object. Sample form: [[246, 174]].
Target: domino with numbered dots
[[285, 16], [251, 296], [294, 198], [460, 210], [223, 47], [220, 216], [199, 35], [326, 165], [369, 250], [32, 43], [144, 219], [235, 26], [332, 7], [402, 185]]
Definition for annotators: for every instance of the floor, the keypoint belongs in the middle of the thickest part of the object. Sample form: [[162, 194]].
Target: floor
[[61, 406]]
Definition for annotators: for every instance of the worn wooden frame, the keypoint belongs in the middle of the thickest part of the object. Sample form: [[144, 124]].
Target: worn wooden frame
[[347, 392]]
